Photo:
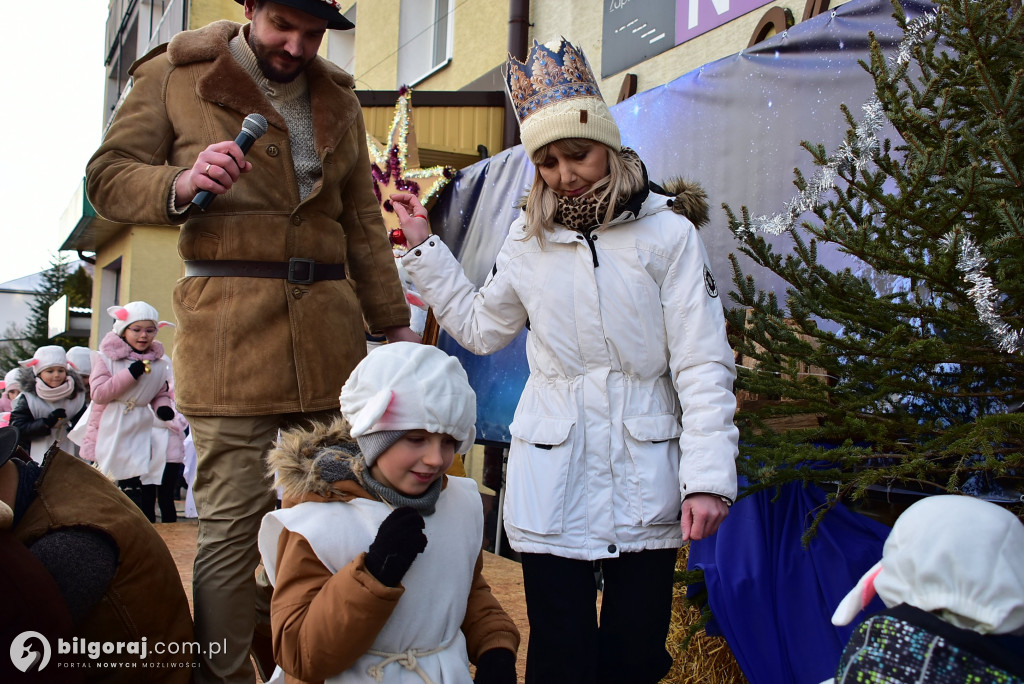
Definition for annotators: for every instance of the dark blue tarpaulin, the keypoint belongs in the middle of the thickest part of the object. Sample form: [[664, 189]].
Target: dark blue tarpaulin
[[772, 599]]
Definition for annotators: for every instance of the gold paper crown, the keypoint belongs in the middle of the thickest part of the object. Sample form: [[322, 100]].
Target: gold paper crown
[[555, 95], [549, 77]]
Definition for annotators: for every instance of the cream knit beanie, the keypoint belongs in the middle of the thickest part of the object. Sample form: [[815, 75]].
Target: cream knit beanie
[[555, 96]]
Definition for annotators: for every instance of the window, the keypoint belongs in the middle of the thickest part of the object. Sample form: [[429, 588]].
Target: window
[[341, 45], [424, 38]]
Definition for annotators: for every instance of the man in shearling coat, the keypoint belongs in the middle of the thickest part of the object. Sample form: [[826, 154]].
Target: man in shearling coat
[[281, 269]]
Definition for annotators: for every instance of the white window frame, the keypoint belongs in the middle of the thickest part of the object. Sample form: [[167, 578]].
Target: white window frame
[[420, 23]]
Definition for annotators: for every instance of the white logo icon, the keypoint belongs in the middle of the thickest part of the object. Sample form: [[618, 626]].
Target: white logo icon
[[30, 651]]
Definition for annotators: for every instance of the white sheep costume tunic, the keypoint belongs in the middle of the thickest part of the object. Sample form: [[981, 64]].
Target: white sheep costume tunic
[[425, 630], [429, 615]]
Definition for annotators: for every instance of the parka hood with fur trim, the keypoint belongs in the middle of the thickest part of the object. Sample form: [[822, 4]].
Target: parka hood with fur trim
[[301, 455], [27, 379]]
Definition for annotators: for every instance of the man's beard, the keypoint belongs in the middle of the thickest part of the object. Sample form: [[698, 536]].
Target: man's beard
[[263, 57]]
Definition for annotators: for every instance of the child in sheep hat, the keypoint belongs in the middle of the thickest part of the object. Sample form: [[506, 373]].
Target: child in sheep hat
[[952, 579], [52, 400], [130, 384], [11, 388], [376, 558]]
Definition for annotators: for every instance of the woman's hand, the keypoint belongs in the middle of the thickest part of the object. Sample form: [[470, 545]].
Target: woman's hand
[[412, 217], [702, 514]]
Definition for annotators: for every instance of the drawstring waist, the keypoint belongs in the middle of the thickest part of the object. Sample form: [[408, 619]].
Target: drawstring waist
[[407, 659]]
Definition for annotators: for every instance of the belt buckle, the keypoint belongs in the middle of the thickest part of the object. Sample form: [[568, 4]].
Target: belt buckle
[[310, 266]]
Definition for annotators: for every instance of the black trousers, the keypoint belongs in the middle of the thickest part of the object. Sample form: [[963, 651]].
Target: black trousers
[[567, 643], [168, 488], [143, 496]]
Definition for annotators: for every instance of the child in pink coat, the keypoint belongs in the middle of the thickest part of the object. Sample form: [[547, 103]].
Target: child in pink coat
[[130, 375]]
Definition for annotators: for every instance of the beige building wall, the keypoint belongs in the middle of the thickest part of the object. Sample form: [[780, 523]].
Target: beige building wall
[[376, 45], [149, 268], [203, 12]]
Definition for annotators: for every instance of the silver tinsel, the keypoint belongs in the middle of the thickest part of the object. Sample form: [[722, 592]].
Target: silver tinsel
[[916, 31], [857, 155], [983, 293]]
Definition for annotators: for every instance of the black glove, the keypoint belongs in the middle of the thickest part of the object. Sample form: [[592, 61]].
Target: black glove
[[137, 369], [399, 540], [496, 666], [55, 415], [164, 412]]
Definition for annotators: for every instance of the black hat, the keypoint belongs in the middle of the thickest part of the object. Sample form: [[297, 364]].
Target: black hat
[[8, 443], [322, 9]]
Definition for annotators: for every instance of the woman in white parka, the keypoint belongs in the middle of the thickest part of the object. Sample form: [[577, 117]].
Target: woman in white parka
[[623, 443]]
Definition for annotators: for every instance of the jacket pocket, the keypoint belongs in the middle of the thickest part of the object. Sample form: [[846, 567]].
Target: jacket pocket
[[538, 472], [652, 444]]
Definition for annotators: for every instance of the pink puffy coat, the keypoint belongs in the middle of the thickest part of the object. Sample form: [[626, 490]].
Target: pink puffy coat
[[106, 387]]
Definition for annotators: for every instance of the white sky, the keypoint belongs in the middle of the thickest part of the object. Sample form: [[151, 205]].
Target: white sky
[[52, 121]]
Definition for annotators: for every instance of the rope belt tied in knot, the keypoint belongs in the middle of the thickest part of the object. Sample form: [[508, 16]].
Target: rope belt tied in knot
[[406, 659], [129, 405]]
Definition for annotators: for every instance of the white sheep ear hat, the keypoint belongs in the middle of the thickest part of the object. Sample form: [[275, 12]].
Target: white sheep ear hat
[[409, 386], [958, 557], [80, 358], [45, 357], [134, 311], [11, 380]]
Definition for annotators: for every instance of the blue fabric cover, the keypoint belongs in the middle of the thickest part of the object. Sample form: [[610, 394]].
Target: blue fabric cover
[[772, 599]]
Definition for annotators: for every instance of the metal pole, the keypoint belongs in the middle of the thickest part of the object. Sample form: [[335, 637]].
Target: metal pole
[[501, 504]]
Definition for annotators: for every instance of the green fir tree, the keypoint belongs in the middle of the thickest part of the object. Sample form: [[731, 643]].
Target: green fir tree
[[20, 342], [907, 369]]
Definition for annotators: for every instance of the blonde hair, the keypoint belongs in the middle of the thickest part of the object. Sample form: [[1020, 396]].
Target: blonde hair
[[625, 178]]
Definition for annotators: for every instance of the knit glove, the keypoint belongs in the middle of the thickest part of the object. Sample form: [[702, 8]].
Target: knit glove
[[55, 415], [137, 369], [399, 540], [165, 413], [496, 666]]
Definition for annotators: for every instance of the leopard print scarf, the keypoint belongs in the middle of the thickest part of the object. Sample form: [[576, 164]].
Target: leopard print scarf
[[583, 214]]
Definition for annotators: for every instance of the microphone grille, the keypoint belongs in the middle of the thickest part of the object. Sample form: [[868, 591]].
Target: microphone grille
[[255, 125]]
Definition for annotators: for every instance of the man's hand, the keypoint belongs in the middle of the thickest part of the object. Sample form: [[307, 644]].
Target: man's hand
[[216, 170], [702, 514], [401, 333]]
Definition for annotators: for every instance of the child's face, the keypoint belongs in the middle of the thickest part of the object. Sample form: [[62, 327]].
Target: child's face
[[572, 174], [12, 394], [140, 335], [414, 462], [54, 376]]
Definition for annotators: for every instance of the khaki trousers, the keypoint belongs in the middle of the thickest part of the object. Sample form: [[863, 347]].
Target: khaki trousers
[[232, 492]]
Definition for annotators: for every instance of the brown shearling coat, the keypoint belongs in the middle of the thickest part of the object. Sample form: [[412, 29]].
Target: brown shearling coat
[[253, 346]]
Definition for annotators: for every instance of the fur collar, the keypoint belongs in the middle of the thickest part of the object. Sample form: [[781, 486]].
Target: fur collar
[[225, 82], [291, 463], [114, 347]]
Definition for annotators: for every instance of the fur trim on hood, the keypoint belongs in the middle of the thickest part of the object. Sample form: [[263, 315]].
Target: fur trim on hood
[[301, 455], [28, 381], [690, 200], [115, 347]]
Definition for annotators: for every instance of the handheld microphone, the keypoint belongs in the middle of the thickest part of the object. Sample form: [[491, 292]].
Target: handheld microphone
[[253, 127]]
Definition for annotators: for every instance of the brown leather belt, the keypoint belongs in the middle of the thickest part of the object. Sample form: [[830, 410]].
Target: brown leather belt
[[295, 270]]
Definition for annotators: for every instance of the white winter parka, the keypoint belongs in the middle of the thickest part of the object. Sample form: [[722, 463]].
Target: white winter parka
[[629, 404]]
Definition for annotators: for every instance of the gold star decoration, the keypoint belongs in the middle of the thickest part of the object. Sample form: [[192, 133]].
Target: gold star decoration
[[395, 168]]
